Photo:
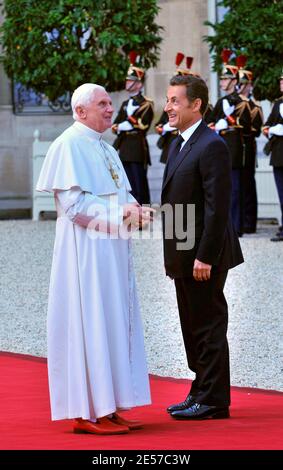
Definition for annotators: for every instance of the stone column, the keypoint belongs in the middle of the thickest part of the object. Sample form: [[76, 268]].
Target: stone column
[[182, 21]]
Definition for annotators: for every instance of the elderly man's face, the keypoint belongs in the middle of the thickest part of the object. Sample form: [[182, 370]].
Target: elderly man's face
[[98, 113]]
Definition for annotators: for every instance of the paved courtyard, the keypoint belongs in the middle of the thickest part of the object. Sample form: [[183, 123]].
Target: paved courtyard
[[254, 293]]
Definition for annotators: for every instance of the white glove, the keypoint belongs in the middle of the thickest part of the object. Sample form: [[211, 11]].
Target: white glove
[[276, 130], [281, 109], [221, 124], [124, 126], [227, 108], [167, 128], [131, 108]]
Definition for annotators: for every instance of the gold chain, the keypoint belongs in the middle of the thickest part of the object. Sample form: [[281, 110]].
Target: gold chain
[[110, 166]]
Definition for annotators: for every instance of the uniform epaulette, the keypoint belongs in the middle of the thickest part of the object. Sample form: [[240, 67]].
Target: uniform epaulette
[[148, 99], [257, 103], [280, 98], [244, 98]]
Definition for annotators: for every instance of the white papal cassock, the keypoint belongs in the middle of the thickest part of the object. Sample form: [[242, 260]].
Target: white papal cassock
[[96, 357]]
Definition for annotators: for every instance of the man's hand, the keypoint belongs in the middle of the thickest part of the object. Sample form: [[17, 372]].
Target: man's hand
[[201, 271], [136, 215], [265, 131], [114, 128]]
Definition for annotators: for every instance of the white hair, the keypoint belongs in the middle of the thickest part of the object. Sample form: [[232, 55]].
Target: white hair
[[83, 95]]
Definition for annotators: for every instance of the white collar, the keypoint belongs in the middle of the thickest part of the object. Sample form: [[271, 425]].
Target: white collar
[[87, 131], [189, 132]]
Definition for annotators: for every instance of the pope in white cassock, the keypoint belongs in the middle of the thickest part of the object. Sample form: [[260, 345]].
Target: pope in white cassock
[[96, 357]]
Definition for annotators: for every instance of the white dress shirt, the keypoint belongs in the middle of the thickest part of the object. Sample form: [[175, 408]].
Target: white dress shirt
[[189, 132]]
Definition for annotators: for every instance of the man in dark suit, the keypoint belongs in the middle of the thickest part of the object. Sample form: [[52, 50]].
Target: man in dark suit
[[162, 127], [273, 129], [199, 251]]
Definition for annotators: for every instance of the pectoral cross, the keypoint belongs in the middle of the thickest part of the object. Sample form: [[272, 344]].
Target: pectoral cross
[[114, 176]]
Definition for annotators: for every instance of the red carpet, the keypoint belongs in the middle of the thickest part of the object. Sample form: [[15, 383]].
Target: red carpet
[[256, 417]]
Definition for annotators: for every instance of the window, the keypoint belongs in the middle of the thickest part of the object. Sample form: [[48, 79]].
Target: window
[[27, 101]]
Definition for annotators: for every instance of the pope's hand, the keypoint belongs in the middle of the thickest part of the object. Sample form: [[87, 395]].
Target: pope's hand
[[136, 215], [159, 129], [281, 109], [265, 131], [201, 271], [131, 108]]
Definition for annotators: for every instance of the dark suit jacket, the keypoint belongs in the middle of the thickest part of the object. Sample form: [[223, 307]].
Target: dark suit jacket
[[201, 175]]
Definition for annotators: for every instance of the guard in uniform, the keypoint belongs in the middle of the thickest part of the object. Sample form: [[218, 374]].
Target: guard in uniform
[[231, 119], [273, 129], [162, 127], [245, 88], [131, 125]]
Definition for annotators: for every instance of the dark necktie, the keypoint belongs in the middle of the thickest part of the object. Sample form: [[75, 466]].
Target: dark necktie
[[173, 154]]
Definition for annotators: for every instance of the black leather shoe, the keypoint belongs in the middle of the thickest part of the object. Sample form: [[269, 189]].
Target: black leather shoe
[[200, 411], [181, 406], [278, 238]]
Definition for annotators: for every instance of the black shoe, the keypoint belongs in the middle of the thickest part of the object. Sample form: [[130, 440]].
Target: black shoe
[[200, 411], [181, 406], [278, 238], [249, 230]]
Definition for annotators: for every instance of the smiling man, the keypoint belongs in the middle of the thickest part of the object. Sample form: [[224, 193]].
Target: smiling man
[[96, 358], [198, 172]]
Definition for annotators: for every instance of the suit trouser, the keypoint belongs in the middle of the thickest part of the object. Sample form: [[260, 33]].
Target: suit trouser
[[203, 315]]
